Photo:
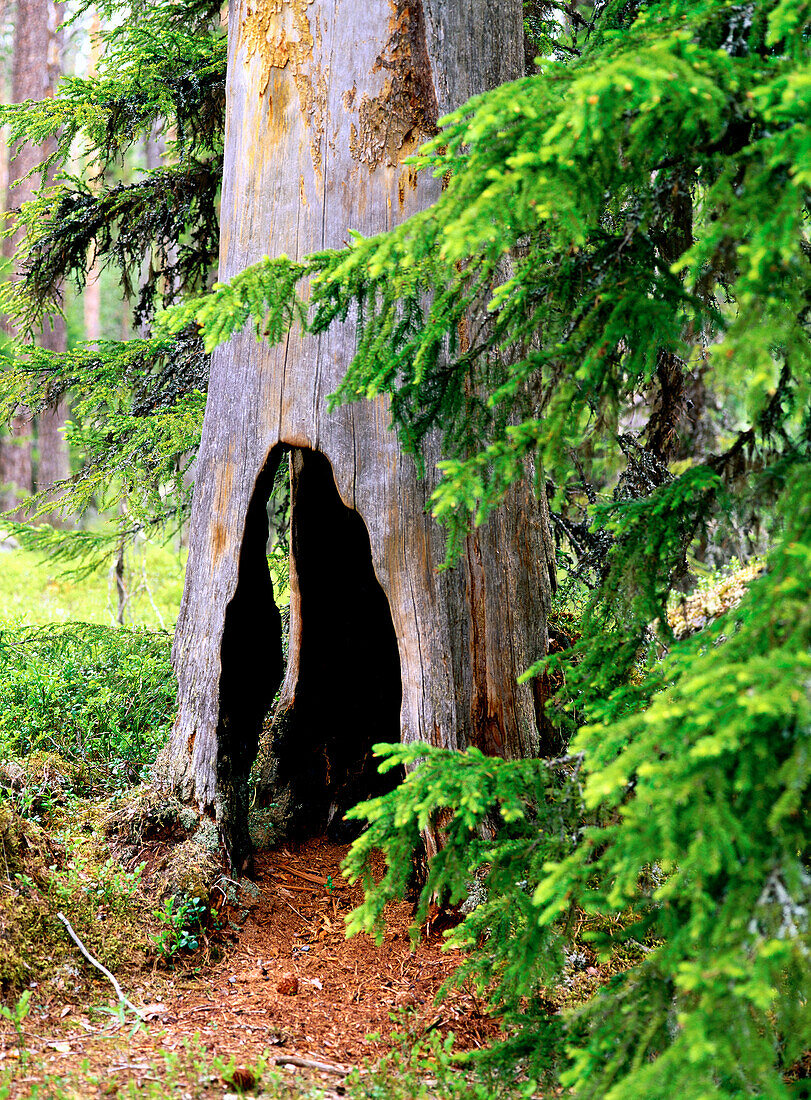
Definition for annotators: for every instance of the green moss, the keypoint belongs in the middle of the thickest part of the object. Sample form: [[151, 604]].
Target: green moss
[[24, 931], [76, 876], [192, 859], [24, 924], [190, 870], [144, 813]]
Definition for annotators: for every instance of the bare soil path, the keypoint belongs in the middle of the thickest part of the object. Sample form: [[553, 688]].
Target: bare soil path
[[287, 983]]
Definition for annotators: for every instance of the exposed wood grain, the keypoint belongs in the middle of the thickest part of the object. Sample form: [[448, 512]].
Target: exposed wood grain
[[324, 102]]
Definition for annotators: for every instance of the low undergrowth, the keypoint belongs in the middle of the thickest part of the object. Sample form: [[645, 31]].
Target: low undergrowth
[[419, 1067], [101, 698], [424, 1066], [189, 1073]]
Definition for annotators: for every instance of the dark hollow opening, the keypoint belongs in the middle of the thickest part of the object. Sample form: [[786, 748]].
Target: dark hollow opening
[[252, 665], [349, 690]]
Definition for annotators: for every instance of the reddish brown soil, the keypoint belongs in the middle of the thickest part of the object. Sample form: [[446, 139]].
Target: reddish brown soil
[[293, 973], [288, 982]]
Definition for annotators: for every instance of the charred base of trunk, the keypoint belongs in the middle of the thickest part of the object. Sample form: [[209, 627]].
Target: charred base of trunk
[[348, 694], [252, 668]]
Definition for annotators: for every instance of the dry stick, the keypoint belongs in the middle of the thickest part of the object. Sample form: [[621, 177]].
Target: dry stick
[[295, 886], [121, 995], [308, 1063], [310, 878], [286, 902]]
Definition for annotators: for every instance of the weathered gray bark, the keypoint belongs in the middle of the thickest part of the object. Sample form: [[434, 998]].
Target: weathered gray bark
[[34, 76], [325, 102]]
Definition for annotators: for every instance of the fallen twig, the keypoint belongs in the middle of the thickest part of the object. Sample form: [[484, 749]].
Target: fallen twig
[[293, 886], [95, 962], [287, 869], [287, 903], [308, 1063]]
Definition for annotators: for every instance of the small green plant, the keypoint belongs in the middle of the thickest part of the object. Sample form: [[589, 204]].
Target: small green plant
[[112, 883], [107, 883], [16, 1014], [182, 925], [25, 883], [423, 1066], [35, 802], [121, 1014]]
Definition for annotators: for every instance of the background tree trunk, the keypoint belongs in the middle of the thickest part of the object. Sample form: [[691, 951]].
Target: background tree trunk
[[34, 75], [325, 102], [91, 297], [54, 460]]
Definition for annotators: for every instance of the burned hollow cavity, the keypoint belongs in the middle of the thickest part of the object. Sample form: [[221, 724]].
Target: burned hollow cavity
[[347, 693], [343, 691], [252, 666]]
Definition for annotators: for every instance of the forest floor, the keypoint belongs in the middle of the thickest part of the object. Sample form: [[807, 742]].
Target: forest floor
[[276, 985], [287, 984]]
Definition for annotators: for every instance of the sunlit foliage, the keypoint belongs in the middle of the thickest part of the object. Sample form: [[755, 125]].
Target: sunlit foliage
[[631, 217], [136, 406]]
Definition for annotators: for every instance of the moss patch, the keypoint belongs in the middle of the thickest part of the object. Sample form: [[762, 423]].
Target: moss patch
[[24, 848], [181, 850], [74, 874], [144, 815]]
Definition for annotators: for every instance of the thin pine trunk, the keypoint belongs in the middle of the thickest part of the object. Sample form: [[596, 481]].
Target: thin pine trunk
[[34, 75], [91, 298]]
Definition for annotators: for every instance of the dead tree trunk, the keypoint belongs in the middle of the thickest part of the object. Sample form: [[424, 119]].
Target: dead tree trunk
[[325, 102]]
